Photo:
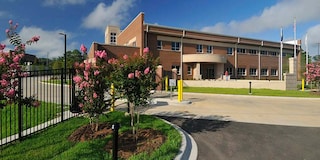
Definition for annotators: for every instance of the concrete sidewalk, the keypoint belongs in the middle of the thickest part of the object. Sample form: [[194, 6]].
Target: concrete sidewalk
[[240, 108]]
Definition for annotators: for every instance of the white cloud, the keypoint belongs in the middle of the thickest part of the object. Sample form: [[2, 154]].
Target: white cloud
[[103, 15], [280, 14], [313, 40], [50, 42], [63, 2]]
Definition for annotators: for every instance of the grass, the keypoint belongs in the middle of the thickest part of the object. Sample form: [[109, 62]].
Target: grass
[[53, 143], [32, 116], [256, 92]]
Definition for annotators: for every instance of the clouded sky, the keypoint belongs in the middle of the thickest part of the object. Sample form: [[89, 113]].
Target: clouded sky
[[84, 21]]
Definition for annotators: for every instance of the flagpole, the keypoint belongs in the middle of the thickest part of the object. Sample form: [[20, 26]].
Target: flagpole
[[294, 34], [280, 56], [307, 55]]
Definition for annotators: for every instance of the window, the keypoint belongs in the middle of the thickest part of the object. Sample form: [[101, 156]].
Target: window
[[273, 53], [209, 49], [178, 69], [264, 52], [253, 71], [230, 71], [274, 72], [241, 50], [229, 51], [189, 70], [199, 48], [175, 46], [264, 72], [134, 44], [242, 72], [113, 38], [252, 51], [159, 44]]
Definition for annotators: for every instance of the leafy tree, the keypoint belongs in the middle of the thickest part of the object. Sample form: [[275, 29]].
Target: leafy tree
[[134, 78], [72, 57], [313, 74], [316, 58]]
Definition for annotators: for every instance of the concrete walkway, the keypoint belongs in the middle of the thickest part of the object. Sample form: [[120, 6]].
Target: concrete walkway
[[238, 108]]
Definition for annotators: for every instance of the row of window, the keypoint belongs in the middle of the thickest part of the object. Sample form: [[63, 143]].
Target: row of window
[[176, 46], [254, 72]]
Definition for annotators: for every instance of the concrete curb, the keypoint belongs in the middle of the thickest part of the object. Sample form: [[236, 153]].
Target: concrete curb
[[189, 148]]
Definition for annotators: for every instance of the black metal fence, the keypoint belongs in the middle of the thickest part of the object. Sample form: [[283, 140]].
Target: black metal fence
[[55, 91]]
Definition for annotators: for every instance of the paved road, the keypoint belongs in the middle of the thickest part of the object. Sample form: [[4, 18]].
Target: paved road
[[247, 127]]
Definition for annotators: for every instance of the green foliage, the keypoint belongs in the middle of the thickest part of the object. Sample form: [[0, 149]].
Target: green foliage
[[134, 77], [53, 143]]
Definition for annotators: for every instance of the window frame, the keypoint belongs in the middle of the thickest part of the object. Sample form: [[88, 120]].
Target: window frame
[[209, 49], [113, 38], [175, 46], [262, 72], [243, 73], [253, 72], [228, 51], [199, 48], [159, 46]]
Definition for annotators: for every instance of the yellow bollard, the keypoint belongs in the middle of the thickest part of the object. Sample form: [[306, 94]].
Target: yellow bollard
[[166, 83], [302, 84], [112, 98], [179, 88]]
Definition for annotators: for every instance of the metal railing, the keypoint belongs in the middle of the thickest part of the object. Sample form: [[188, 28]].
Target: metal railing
[[53, 90]]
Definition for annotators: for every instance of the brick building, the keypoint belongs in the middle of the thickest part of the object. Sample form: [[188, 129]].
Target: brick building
[[201, 55]]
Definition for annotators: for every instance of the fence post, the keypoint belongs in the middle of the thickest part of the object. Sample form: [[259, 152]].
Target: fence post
[[20, 123], [115, 128], [62, 93]]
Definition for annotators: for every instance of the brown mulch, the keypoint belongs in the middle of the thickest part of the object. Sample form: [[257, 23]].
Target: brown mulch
[[146, 140]]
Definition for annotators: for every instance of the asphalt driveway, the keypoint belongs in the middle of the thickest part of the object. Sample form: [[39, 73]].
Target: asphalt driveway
[[225, 140]]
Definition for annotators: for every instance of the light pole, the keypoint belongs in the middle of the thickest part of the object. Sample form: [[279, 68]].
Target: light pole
[[65, 56]]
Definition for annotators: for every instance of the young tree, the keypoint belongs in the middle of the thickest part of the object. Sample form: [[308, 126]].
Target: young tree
[[92, 79], [10, 69], [134, 78], [313, 74]]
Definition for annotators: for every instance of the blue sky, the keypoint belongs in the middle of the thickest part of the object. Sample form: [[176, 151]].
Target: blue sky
[[84, 21]]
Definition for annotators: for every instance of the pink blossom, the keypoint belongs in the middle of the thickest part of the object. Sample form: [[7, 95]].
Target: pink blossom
[[131, 75], [95, 95], [146, 50], [4, 83], [96, 72], [83, 48], [35, 38], [2, 60], [137, 73], [147, 70], [2, 46], [7, 31], [125, 57], [101, 54], [80, 105], [10, 21], [16, 59], [77, 79], [4, 76], [10, 93], [86, 75], [87, 66]]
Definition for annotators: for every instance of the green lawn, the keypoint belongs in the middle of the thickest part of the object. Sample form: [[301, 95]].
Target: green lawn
[[53, 143], [32, 116], [256, 92]]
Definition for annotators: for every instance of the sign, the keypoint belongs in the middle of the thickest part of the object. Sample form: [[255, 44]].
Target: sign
[[172, 82]]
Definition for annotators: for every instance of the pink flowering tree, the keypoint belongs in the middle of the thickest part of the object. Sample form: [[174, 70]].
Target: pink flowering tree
[[92, 80], [134, 78], [10, 68], [313, 74]]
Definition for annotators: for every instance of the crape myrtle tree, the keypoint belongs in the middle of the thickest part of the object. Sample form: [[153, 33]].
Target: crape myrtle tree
[[92, 80], [313, 74], [10, 69], [134, 78]]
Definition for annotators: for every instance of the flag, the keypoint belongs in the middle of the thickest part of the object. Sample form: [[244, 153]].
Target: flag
[[281, 34]]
